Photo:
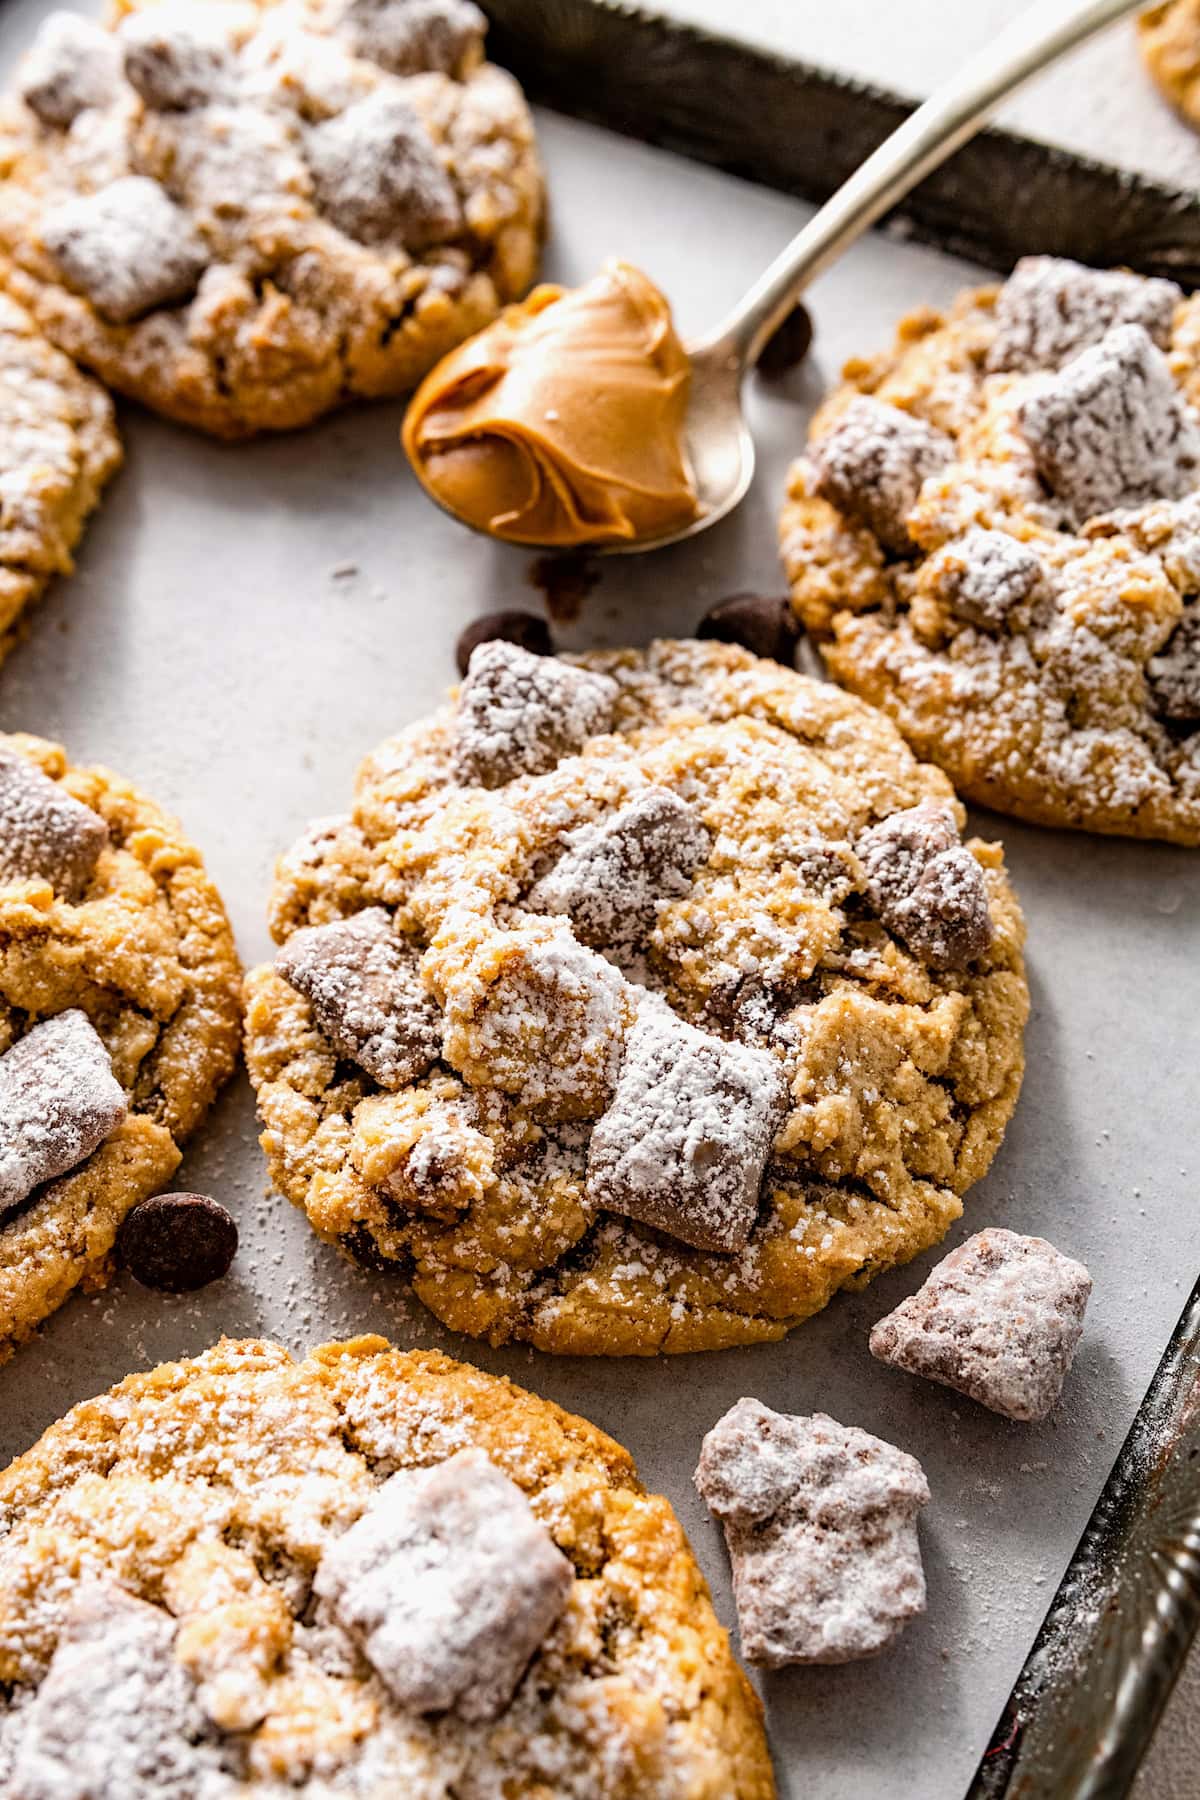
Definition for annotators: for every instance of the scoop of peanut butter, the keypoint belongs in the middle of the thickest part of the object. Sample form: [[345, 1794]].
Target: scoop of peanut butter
[[562, 422]]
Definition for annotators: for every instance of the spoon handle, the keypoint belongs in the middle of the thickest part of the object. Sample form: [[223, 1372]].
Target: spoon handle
[[931, 134]]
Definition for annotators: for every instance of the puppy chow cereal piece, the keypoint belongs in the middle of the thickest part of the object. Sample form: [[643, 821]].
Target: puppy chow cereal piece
[[366, 995], [127, 247], [615, 872], [450, 1584], [926, 886], [59, 1100], [983, 575], [405, 36], [45, 834], [519, 714], [72, 64], [999, 1320], [1174, 674], [116, 1713], [685, 1142], [873, 464], [1111, 429], [378, 175], [821, 1524], [178, 54], [1051, 308]]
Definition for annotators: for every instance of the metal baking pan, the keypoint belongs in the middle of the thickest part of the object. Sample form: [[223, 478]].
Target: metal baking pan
[[246, 622]]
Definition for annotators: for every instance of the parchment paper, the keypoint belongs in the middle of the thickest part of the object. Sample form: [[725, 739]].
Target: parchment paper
[[206, 649]]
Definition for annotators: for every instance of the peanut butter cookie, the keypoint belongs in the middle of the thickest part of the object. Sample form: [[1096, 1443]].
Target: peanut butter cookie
[[244, 213], [365, 1573], [1170, 42], [995, 537], [119, 1019], [642, 1002], [58, 447]]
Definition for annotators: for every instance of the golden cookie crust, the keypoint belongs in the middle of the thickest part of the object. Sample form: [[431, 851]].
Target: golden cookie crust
[[902, 1079], [292, 316], [1052, 719], [1169, 37], [148, 954], [60, 446], [211, 1487]]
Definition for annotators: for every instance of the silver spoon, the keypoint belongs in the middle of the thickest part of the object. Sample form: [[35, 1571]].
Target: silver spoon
[[719, 444]]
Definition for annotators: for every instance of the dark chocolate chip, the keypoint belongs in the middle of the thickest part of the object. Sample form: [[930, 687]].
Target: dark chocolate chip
[[788, 344], [177, 1242], [525, 629], [767, 627]]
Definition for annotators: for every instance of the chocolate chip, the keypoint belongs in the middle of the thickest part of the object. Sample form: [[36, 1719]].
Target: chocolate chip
[[788, 344], [177, 1242], [766, 627], [511, 626]]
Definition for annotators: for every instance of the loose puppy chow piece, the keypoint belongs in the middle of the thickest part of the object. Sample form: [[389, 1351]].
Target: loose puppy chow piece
[[116, 1714], [45, 834], [366, 996], [874, 463], [1111, 429], [614, 873], [127, 247], [1050, 309], [926, 886], [59, 1100], [450, 1584], [684, 1145], [520, 714], [821, 1524], [999, 1320]]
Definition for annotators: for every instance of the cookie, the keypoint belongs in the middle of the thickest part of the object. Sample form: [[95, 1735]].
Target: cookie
[[821, 1524], [119, 1019], [1169, 37], [685, 1042], [999, 1319], [60, 447], [995, 537], [368, 1572], [244, 213]]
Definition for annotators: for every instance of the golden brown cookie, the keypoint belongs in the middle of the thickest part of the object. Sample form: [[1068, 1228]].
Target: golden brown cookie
[[995, 536], [58, 447], [1170, 43], [119, 1018], [187, 1564], [642, 1002], [244, 213]]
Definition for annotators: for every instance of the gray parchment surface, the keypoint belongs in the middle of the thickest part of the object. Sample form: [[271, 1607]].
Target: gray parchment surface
[[206, 649]]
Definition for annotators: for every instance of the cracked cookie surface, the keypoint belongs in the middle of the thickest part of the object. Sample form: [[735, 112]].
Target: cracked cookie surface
[[58, 448], [1021, 595], [172, 1579], [114, 950], [670, 1013], [244, 213]]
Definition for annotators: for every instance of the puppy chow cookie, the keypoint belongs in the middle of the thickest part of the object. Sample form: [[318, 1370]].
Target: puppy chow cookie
[[1023, 602], [244, 213], [363, 1573], [119, 1019], [58, 448], [821, 1524], [697, 1006], [999, 1319]]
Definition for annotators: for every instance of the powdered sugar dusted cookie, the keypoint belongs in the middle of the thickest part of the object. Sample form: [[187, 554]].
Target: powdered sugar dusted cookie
[[58, 448], [1025, 616], [821, 1524], [119, 1019], [244, 213], [999, 1319], [366, 1573], [724, 1014]]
